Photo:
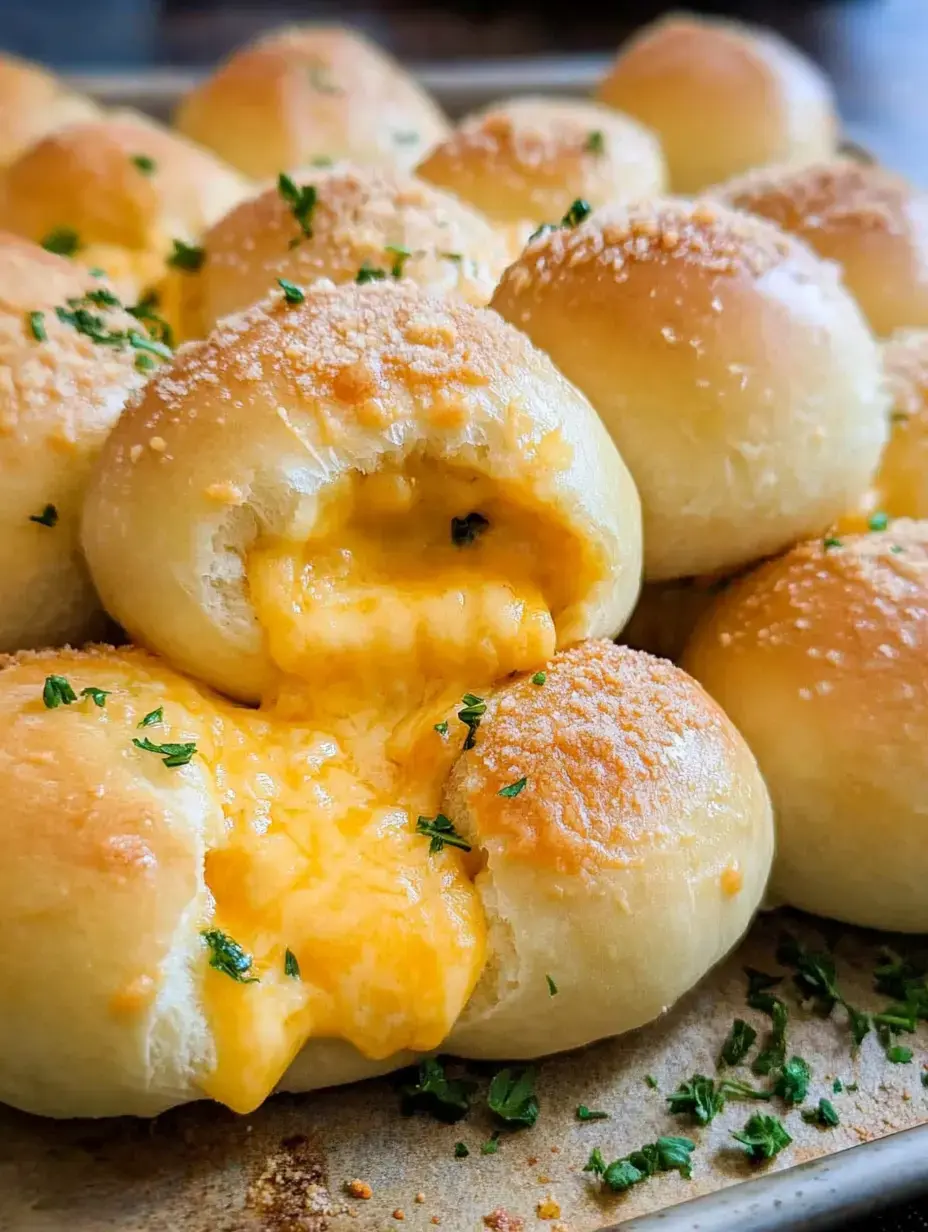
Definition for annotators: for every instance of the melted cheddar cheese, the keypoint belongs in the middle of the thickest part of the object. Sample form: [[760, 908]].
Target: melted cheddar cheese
[[378, 624]]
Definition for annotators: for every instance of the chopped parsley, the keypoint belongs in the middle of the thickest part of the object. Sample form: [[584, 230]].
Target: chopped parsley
[[186, 257], [400, 256], [369, 273], [738, 1043], [837, 1086], [97, 696], [64, 241], [650, 1081], [815, 977], [147, 310], [37, 326], [491, 1146], [590, 1114], [595, 143], [48, 516], [442, 727], [831, 542], [512, 1096], [227, 956], [321, 160], [899, 1055], [792, 1082], [440, 829], [291, 965], [579, 210], [763, 1137], [447, 1099], [539, 678], [513, 789], [878, 521], [761, 998], [302, 201], [79, 316], [153, 717], [472, 712], [452, 256], [173, 754], [465, 530], [668, 1154], [57, 692], [145, 164], [407, 137], [552, 987], [702, 1099], [544, 229], [460, 1150], [292, 293], [824, 1115]]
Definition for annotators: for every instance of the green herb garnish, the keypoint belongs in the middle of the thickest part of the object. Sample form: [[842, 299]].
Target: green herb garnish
[[291, 965], [97, 696], [302, 200], [37, 326], [465, 530], [173, 754], [650, 1081], [595, 143], [440, 829], [590, 1114], [447, 1099], [153, 717], [460, 1150], [63, 240], [760, 998], [48, 516], [824, 1115], [738, 1043], [442, 727], [145, 164], [830, 542], [491, 1146], [407, 137], [703, 1099], [292, 293], [513, 789], [369, 273], [669, 1154], [472, 712], [579, 210], [57, 692], [815, 977], [878, 521], [539, 678], [400, 256], [763, 1137], [186, 257], [147, 310], [227, 956], [792, 1082], [552, 987], [512, 1096]]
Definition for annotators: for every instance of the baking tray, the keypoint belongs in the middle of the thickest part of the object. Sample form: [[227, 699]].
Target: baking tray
[[284, 1169]]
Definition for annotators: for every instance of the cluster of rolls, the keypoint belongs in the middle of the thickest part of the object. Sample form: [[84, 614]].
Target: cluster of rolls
[[365, 771]]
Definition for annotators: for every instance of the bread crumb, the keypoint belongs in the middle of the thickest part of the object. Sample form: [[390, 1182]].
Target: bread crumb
[[544, 1179], [398, 1214], [548, 1208], [502, 1220], [359, 1189], [420, 1197], [435, 1220], [532, 1161]]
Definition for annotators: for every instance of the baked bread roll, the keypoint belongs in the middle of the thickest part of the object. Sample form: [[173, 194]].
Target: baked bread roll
[[65, 380], [722, 97], [524, 160], [901, 483], [382, 423], [363, 225], [119, 194], [666, 614], [33, 103], [643, 815], [734, 372], [869, 220], [309, 94], [819, 660]]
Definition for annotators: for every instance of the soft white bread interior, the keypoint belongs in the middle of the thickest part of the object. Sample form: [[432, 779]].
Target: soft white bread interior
[[60, 393], [115, 193], [870, 221], [819, 659], [631, 861], [364, 225], [722, 97], [900, 488], [307, 94], [381, 422], [33, 103], [524, 160], [734, 372]]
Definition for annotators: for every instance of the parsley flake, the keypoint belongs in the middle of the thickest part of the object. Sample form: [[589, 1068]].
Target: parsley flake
[[400, 256], [37, 326], [145, 164], [291, 965], [446, 1099], [668, 1154], [440, 829], [579, 210], [878, 521], [792, 1083], [552, 987], [227, 956], [97, 696], [702, 1099], [472, 712], [815, 977], [408, 137], [441, 728], [650, 1081], [830, 542], [512, 1096], [761, 998], [899, 1055], [302, 200], [466, 530], [491, 1146], [590, 1114], [173, 754], [48, 516], [146, 310], [460, 1150], [292, 293], [763, 1137], [824, 1115], [64, 241], [153, 717], [738, 1043], [513, 789], [539, 678], [186, 257], [57, 692], [595, 143], [369, 273]]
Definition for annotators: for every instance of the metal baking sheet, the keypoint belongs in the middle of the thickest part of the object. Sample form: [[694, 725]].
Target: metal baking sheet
[[285, 1168]]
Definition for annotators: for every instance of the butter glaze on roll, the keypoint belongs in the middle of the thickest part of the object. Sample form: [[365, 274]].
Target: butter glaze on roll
[[309, 93], [722, 97], [524, 160], [734, 372], [819, 659], [33, 103], [60, 394], [125, 214], [367, 223], [870, 221], [900, 488]]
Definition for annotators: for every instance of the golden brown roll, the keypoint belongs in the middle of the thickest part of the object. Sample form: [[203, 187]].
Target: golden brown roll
[[819, 660], [722, 97], [870, 221], [119, 194], [642, 815], [362, 225], [68, 365], [524, 160], [901, 483], [734, 372], [33, 103], [666, 614], [377, 419], [308, 94]]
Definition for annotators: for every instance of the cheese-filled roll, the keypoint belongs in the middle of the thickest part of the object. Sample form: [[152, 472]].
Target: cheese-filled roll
[[70, 357], [722, 97], [349, 225], [734, 372], [120, 193], [34, 102], [627, 839], [870, 221], [819, 659], [311, 93], [901, 483], [368, 476], [525, 160]]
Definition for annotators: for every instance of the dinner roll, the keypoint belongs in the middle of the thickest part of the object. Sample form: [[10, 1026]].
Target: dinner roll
[[307, 94], [378, 419], [34, 102], [733, 371], [65, 379], [901, 483], [666, 614], [524, 160], [629, 863], [364, 224], [819, 659], [117, 193], [867, 219], [722, 97]]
